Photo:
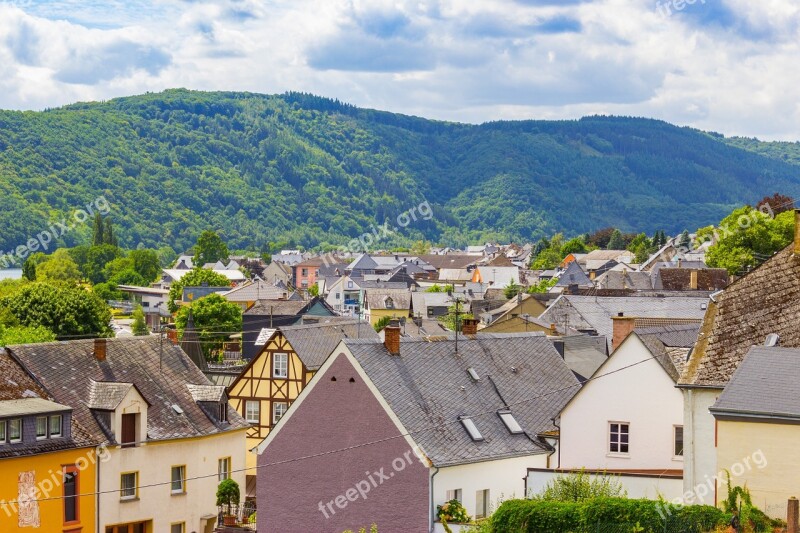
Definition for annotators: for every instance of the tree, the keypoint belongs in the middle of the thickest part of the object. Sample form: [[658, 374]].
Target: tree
[[685, 242], [455, 316], [420, 248], [66, 310], [24, 335], [543, 286], [58, 267], [616, 241], [382, 323], [777, 203], [108, 233], [139, 326], [512, 289], [194, 278], [313, 290], [439, 288], [228, 494], [574, 246], [580, 486], [146, 264], [210, 248], [215, 320], [30, 264], [601, 237], [97, 258], [107, 291], [747, 237], [97, 230]]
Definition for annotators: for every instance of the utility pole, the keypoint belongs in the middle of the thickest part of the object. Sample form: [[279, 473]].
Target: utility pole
[[457, 314]]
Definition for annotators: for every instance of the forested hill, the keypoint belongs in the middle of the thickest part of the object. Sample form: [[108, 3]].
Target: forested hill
[[311, 171]]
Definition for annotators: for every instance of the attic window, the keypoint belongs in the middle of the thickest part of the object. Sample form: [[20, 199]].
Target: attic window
[[473, 374], [472, 429], [510, 422], [177, 409], [389, 303]]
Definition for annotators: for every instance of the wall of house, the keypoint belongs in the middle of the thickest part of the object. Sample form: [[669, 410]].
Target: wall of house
[[333, 492], [257, 384], [374, 315], [650, 487], [504, 478], [699, 451], [154, 462], [643, 396], [767, 458], [47, 471]]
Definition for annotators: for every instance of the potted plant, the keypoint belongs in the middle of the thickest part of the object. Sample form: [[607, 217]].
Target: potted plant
[[452, 511], [227, 495]]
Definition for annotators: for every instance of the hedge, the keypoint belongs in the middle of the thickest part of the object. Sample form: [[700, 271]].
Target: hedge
[[536, 516]]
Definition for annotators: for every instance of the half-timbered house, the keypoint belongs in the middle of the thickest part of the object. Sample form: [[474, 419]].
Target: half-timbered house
[[272, 380]]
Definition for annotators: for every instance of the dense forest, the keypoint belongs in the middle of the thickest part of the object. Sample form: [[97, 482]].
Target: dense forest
[[306, 171]]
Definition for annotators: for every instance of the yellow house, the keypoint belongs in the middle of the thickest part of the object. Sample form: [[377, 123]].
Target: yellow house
[[48, 462], [289, 357], [757, 420], [515, 316], [391, 303]]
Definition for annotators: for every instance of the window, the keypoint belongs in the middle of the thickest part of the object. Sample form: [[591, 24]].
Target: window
[[223, 412], [472, 429], [338, 295], [15, 430], [278, 410], [128, 430], [41, 427], [618, 437], [280, 365], [138, 527], [70, 494], [510, 422], [178, 479], [304, 272], [224, 468], [2, 431], [678, 441], [454, 494], [180, 527], [482, 503], [129, 486], [389, 303], [252, 411], [55, 426]]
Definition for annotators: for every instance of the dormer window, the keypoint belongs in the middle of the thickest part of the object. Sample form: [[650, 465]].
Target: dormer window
[[41, 427], [55, 426], [223, 412], [15, 430], [389, 303]]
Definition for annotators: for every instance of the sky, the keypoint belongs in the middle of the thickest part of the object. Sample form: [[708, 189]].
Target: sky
[[729, 66]]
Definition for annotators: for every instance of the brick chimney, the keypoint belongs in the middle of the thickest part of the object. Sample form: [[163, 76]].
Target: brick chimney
[[391, 337], [100, 349], [623, 326], [797, 232], [469, 326]]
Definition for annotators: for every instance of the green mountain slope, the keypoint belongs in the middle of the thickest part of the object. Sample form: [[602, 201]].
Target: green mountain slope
[[315, 172]]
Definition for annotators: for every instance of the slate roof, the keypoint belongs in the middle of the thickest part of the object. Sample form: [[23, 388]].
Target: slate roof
[[428, 389], [618, 280], [159, 370], [499, 276], [606, 255], [584, 354], [766, 385], [257, 290], [767, 300], [206, 393], [278, 307], [422, 300], [376, 298], [679, 279], [313, 343], [106, 396], [574, 275], [17, 384], [595, 312], [362, 262], [455, 274], [439, 261]]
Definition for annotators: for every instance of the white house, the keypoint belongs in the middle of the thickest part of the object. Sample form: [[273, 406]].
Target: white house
[[628, 419]]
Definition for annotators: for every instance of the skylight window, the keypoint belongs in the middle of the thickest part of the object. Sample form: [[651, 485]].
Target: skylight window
[[177, 409], [473, 374], [511, 423], [472, 429]]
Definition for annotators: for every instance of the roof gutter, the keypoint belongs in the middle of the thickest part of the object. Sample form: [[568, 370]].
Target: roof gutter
[[433, 509]]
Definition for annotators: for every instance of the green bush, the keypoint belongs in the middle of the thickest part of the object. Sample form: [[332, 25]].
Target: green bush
[[452, 511], [539, 516]]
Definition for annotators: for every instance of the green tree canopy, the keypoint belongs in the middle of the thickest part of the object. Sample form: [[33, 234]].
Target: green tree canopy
[[194, 278], [215, 320], [616, 241], [58, 267], [66, 310], [576, 245], [146, 264], [24, 335], [97, 257], [139, 326], [210, 248]]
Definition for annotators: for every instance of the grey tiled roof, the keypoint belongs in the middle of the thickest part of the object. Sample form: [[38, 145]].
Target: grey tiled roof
[[767, 300], [206, 393], [616, 279], [105, 395], [257, 290], [765, 385], [278, 307], [313, 343], [584, 354], [377, 298], [574, 275], [428, 388], [159, 371]]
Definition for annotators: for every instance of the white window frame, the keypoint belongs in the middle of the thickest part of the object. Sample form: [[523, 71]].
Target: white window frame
[[619, 433], [275, 415], [454, 494], [285, 365], [122, 489], [482, 496], [675, 429], [182, 472], [50, 421], [40, 419], [11, 439], [247, 413], [223, 474], [3, 432]]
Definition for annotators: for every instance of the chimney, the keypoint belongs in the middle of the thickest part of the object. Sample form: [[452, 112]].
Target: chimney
[[693, 280], [797, 232], [573, 289], [680, 262], [623, 326], [100, 349], [553, 330], [391, 337], [469, 326]]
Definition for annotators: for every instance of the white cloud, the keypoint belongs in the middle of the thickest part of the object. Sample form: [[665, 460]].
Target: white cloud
[[723, 65]]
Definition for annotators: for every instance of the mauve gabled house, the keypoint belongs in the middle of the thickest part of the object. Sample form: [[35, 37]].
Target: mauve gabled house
[[386, 431]]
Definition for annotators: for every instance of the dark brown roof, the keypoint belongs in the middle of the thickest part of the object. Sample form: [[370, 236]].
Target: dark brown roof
[[160, 372], [767, 300], [679, 279]]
